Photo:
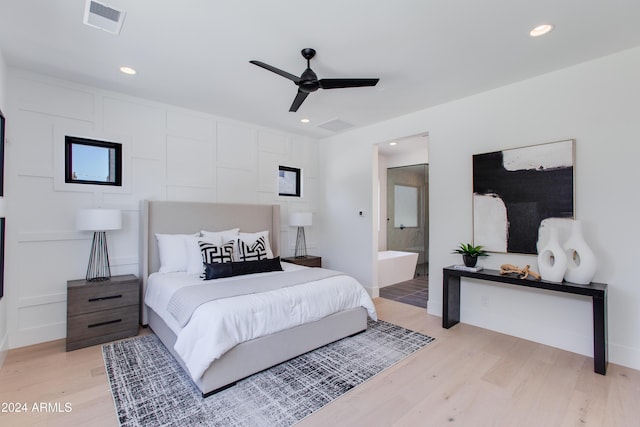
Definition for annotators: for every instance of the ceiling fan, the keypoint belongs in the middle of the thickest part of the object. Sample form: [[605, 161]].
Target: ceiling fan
[[308, 82]]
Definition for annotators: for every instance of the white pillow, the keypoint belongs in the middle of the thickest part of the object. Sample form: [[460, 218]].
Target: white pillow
[[250, 239], [172, 249], [194, 255], [220, 237]]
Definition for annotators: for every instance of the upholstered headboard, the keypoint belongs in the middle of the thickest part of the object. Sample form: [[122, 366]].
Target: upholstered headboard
[[190, 217]]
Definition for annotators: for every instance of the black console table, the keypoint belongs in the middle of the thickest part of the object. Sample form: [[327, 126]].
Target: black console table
[[597, 292]]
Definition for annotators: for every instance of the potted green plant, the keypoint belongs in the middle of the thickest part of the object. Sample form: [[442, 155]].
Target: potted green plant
[[470, 253]]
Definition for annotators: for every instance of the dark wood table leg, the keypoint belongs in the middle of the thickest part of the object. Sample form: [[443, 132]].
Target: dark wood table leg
[[450, 300], [600, 333]]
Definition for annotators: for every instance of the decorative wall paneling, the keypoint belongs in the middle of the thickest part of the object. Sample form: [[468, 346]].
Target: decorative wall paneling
[[169, 153]]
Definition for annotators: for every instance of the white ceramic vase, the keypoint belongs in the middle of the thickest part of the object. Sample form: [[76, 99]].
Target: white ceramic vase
[[552, 258], [582, 263]]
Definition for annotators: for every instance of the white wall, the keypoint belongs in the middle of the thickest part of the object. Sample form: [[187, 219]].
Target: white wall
[[4, 335], [350, 176], [596, 103], [169, 153]]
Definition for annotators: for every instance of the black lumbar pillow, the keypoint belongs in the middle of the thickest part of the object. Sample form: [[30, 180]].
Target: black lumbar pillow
[[228, 269], [217, 270]]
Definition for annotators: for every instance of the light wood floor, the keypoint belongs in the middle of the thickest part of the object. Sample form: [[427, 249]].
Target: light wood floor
[[467, 377]]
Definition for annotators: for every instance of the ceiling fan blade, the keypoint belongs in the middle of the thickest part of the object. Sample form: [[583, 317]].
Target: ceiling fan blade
[[340, 83], [300, 97], [278, 71]]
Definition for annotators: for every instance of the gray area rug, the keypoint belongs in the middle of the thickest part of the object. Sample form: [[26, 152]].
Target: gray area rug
[[150, 389]]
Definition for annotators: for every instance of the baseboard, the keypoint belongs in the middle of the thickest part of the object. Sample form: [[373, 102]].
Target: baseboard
[[434, 307], [624, 356], [373, 292], [40, 334]]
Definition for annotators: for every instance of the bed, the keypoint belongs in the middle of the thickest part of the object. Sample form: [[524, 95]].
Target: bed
[[259, 352]]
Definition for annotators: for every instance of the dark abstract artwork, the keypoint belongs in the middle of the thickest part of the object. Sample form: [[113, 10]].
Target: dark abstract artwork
[[514, 190]]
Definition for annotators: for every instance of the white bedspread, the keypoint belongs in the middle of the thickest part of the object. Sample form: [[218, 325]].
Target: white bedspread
[[218, 326]]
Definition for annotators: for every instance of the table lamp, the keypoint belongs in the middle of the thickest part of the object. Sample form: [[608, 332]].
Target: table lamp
[[300, 220], [99, 221]]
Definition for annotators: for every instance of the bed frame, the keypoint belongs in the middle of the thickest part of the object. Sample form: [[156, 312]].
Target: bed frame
[[252, 356]]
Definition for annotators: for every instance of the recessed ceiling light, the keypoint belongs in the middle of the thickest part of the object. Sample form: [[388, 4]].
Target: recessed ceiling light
[[541, 30], [393, 143], [128, 70], [305, 120]]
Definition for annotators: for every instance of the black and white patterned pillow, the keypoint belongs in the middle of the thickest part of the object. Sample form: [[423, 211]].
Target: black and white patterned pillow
[[216, 254], [253, 252]]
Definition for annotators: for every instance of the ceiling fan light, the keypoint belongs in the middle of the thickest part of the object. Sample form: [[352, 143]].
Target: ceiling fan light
[[541, 30]]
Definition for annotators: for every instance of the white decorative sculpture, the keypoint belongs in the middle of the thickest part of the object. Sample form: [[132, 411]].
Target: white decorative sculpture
[[582, 263], [552, 258]]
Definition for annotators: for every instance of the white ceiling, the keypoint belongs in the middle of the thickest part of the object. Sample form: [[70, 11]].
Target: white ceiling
[[195, 53], [408, 144]]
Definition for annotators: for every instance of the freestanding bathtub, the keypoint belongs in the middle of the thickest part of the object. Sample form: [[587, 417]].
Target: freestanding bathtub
[[396, 267]]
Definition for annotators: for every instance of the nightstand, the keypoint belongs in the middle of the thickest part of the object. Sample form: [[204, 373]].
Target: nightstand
[[309, 260], [99, 312]]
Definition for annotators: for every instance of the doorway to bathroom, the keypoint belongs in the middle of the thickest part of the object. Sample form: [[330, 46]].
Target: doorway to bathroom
[[408, 212], [407, 225], [403, 231]]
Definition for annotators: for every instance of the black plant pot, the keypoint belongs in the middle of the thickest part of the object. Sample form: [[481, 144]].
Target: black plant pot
[[469, 260]]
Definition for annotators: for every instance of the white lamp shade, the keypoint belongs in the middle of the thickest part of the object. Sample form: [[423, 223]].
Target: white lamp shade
[[99, 219], [300, 219]]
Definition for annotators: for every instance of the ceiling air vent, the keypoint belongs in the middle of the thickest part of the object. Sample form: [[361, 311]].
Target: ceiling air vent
[[335, 125], [104, 17]]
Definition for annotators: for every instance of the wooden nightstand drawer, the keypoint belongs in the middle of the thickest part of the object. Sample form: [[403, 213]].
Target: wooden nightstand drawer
[[99, 312], [99, 323], [89, 298], [309, 260]]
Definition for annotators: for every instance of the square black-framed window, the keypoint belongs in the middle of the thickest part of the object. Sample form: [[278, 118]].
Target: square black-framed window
[[88, 161], [289, 181]]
